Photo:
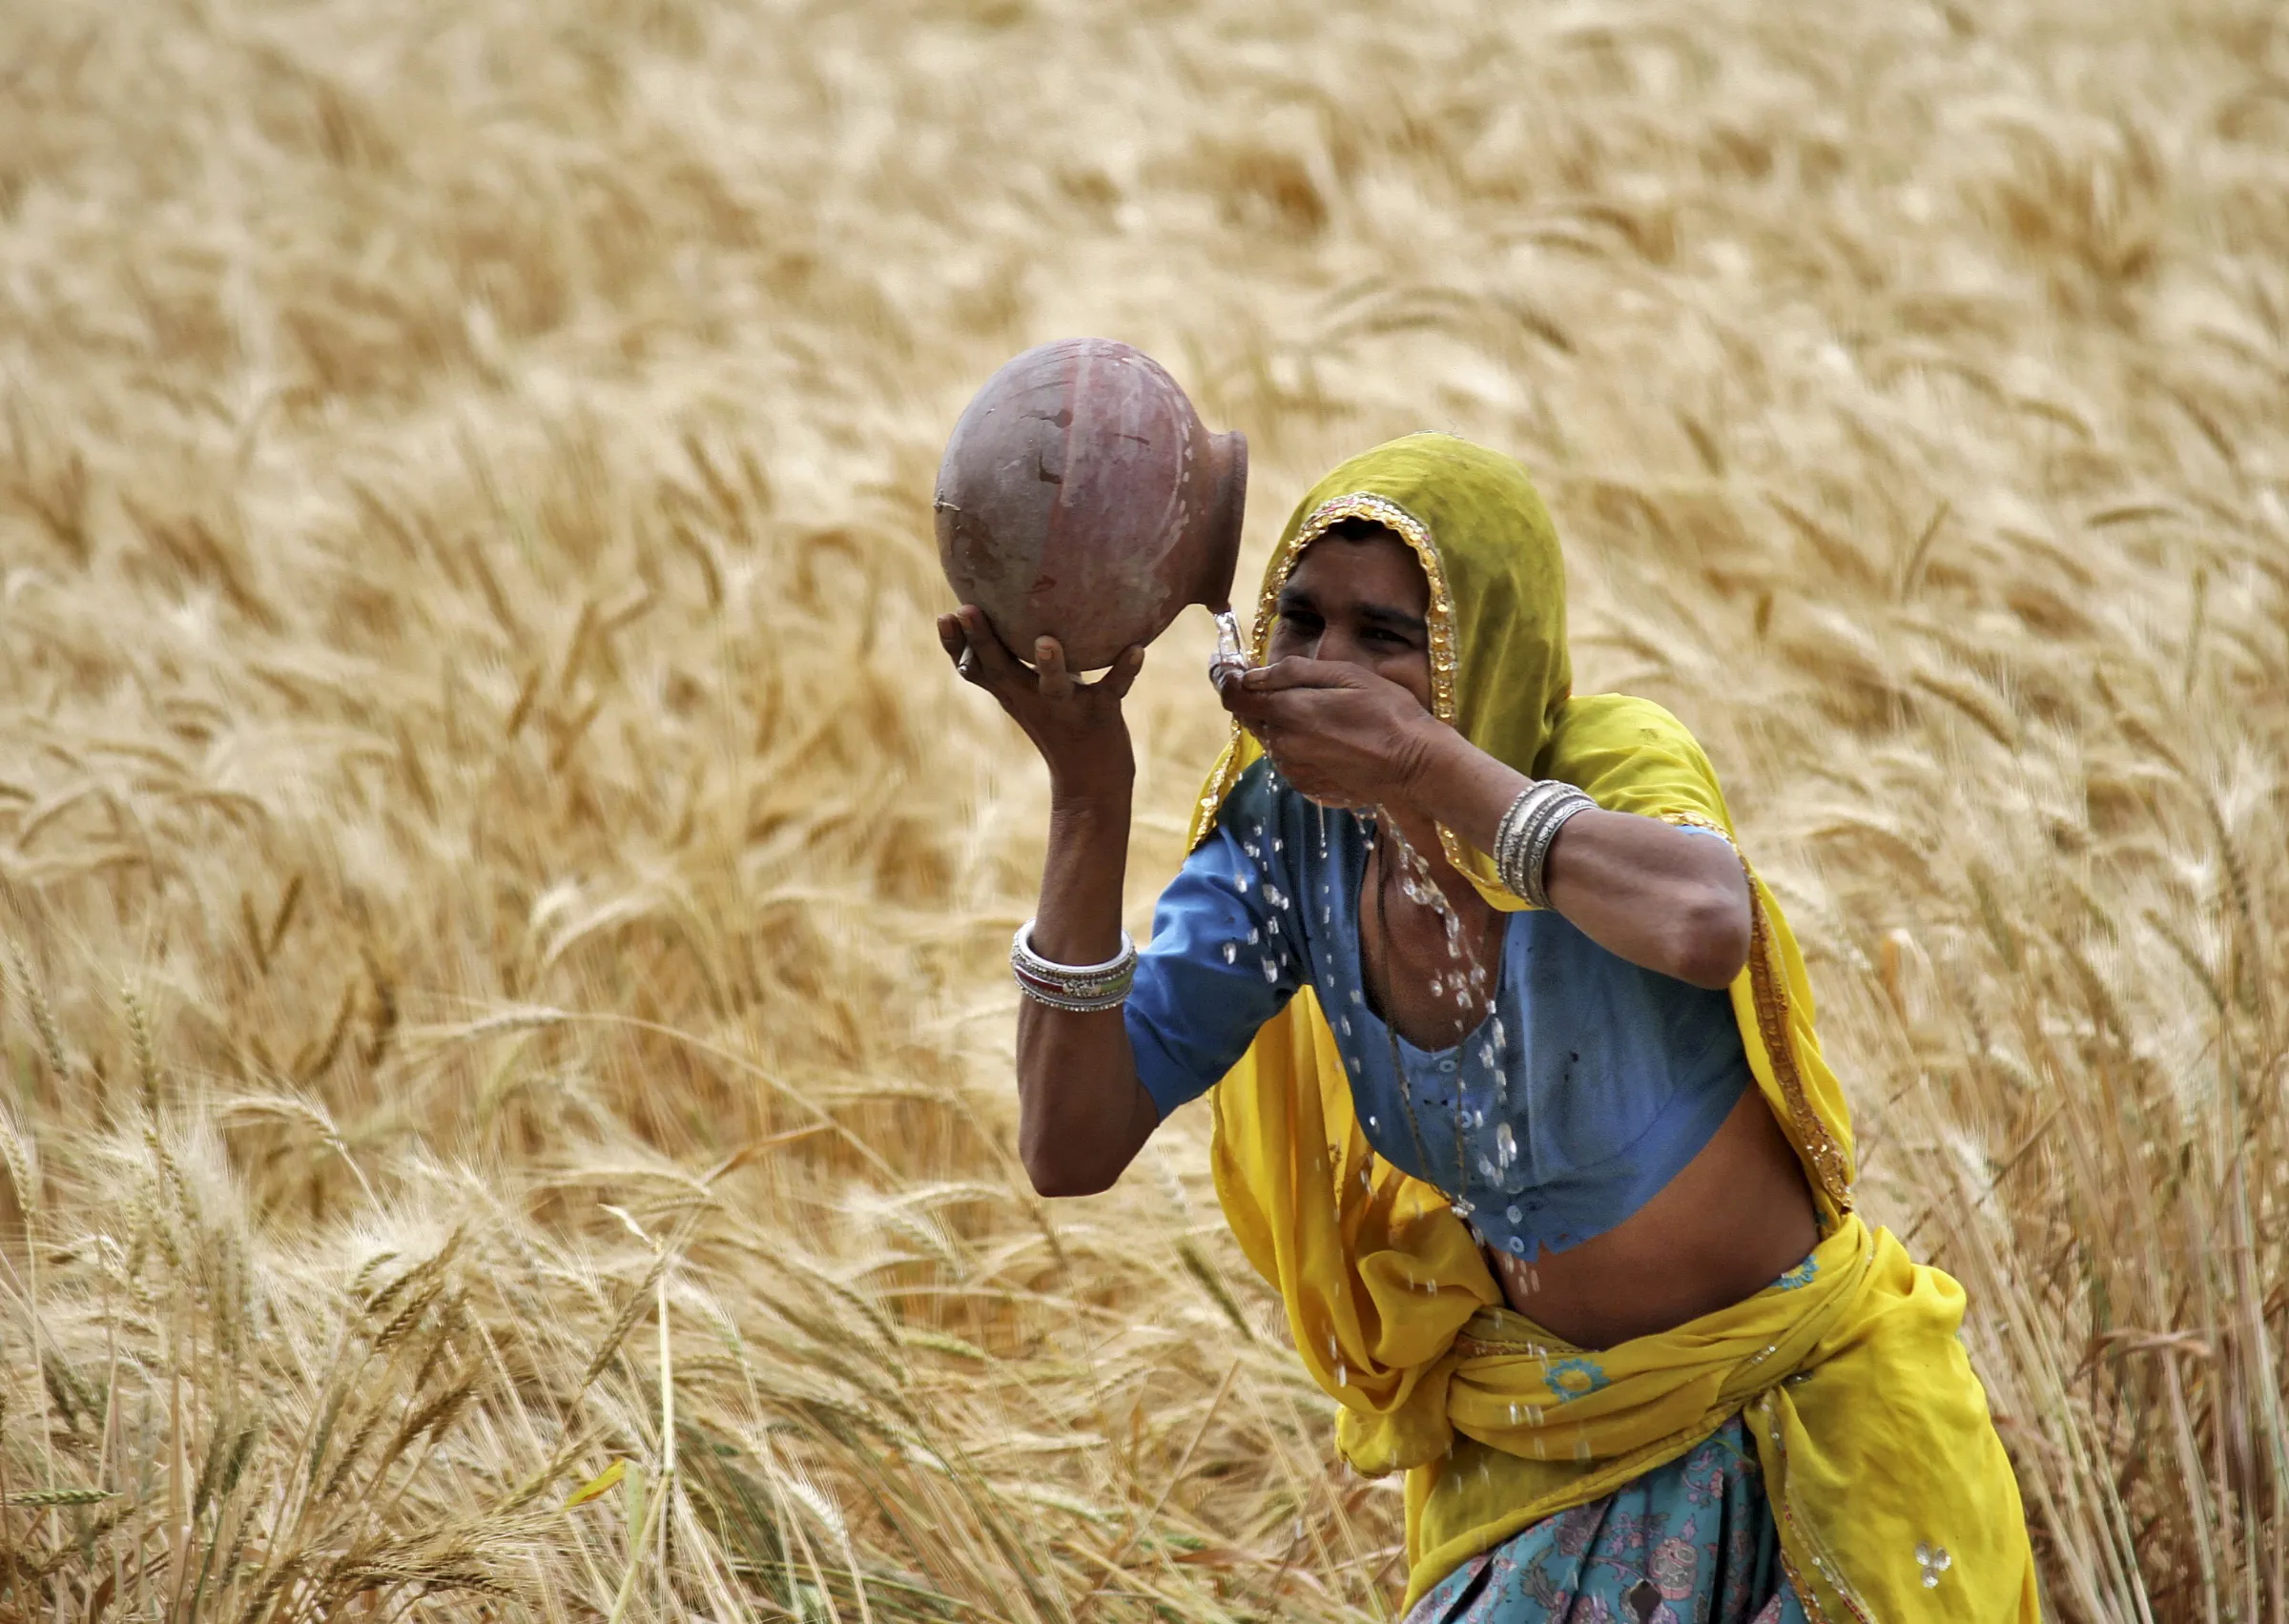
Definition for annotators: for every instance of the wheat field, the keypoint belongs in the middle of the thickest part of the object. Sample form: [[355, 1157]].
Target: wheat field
[[504, 904]]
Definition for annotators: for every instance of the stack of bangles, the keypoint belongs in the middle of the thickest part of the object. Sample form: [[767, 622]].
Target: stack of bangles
[[1522, 841], [1083, 989]]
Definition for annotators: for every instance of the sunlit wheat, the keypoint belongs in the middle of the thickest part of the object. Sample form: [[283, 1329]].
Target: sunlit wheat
[[504, 903]]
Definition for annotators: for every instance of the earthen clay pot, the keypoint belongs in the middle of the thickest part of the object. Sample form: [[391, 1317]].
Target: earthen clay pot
[[1082, 497]]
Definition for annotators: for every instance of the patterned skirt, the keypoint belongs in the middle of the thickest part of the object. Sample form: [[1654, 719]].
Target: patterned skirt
[[1692, 1542]]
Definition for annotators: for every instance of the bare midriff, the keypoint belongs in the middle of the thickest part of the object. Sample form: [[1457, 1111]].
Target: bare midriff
[[1734, 1219], [1738, 1216]]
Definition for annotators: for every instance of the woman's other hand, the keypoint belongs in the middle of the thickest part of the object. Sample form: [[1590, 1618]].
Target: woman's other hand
[[1082, 1116], [1077, 726], [1342, 735]]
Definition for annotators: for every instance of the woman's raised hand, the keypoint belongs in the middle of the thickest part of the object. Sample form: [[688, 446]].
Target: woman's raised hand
[[1077, 726], [1343, 737]]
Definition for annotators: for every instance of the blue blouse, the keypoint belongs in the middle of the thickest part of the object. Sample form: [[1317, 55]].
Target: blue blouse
[[1589, 1087]]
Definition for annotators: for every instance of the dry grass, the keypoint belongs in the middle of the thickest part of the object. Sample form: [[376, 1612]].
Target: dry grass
[[489, 847]]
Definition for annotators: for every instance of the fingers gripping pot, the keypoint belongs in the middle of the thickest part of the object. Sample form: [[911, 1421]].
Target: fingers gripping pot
[[1082, 497]]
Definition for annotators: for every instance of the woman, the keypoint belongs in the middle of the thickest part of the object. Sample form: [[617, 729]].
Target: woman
[[1518, 1099]]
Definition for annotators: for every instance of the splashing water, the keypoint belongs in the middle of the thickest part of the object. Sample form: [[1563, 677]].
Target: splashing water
[[1230, 658]]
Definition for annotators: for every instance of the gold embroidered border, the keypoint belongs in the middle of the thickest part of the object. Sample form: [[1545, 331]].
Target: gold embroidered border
[[1694, 820], [1769, 991], [1807, 1596]]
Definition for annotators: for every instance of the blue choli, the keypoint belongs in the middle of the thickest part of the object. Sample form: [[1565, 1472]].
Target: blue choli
[[1587, 1090]]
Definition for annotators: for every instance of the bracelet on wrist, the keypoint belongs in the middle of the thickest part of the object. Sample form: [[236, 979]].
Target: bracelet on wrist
[[1528, 830], [1081, 989]]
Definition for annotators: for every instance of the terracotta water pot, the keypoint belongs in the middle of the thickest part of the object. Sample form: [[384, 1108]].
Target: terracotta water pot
[[1082, 497]]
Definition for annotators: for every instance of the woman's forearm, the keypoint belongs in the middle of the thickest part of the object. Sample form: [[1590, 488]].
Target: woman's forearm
[[1673, 902], [1082, 1114]]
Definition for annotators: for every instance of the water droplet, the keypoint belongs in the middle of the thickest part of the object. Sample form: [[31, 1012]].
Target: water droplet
[[1271, 970], [1343, 1023], [1254, 936], [1358, 995], [1372, 1123], [1232, 952]]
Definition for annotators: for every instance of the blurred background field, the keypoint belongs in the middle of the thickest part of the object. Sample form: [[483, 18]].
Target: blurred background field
[[488, 846]]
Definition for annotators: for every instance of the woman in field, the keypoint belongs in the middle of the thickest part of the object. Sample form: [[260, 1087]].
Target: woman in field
[[1516, 1095]]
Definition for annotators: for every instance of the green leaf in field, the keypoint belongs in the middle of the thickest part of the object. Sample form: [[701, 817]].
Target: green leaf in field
[[601, 1484]]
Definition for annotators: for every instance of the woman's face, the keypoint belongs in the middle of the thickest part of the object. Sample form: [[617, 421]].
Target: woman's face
[[1359, 599]]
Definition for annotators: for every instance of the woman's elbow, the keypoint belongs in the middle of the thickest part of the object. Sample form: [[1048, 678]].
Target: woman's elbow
[[1066, 1163], [1713, 941], [1056, 1177]]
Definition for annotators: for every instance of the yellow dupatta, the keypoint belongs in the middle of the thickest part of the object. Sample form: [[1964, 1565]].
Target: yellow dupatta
[[1893, 1497]]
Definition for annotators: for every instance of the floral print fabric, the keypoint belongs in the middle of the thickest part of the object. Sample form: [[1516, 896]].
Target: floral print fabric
[[1691, 1542]]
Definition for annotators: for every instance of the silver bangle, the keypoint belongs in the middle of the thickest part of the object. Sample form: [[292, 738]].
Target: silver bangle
[[1083, 989], [1523, 839], [1515, 833], [1508, 832], [1545, 835]]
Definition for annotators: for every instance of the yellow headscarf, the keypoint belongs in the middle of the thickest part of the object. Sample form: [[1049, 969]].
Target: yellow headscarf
[[1892, 1494]]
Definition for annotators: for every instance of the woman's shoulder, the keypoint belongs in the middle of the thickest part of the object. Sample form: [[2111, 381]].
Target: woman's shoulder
[[1633, 754], [1622, 718]]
